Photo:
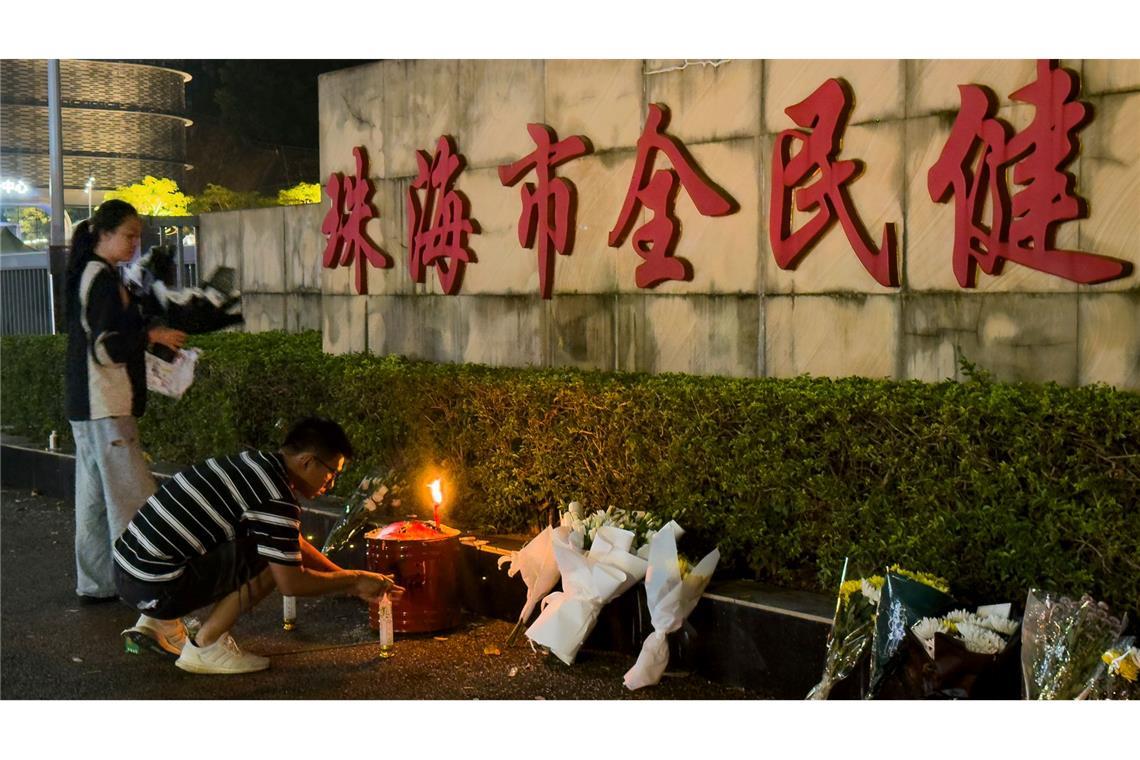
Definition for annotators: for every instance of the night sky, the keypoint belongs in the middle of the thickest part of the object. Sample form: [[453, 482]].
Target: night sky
[[255, 121]]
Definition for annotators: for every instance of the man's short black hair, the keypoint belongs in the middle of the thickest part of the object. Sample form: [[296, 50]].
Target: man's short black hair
[[320, 436]]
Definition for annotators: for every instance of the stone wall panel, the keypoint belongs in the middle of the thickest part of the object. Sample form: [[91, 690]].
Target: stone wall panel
[[601, 100], [263, 250], [344, 324], [707, 102], [1109, 339], [834, 336], [700, 335], [1014, 336]]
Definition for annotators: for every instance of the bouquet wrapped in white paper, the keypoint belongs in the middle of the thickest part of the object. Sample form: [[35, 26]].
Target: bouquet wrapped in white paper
[[539, 570], [590, 579], [171, 378], [671, 593]]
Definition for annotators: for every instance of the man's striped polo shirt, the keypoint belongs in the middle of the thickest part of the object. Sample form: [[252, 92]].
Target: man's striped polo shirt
[[223, 498]]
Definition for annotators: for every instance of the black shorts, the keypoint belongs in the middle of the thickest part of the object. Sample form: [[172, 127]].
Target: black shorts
[[204, 580]]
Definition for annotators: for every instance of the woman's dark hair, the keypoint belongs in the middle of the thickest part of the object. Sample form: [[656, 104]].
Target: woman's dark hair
[[85, 236], [320, 436]]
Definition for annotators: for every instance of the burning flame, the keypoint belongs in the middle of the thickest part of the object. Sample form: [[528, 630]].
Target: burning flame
[[436, 492]]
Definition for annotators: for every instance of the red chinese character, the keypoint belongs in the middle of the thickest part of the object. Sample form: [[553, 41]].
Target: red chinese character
[[655, 240], [438, 229], [973, 166], [344, 223], [825, 111], [547, 207]]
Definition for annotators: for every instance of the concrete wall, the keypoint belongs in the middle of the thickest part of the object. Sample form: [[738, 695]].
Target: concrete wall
[[741, 314]]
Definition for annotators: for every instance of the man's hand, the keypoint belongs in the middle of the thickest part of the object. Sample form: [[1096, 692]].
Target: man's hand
[[372, 586]]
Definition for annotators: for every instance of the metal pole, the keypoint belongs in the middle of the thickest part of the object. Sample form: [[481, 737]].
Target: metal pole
[[57, 250], [55, 138], [181, 258]]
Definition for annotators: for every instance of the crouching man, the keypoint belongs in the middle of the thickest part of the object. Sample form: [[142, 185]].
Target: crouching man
[[227, 532]]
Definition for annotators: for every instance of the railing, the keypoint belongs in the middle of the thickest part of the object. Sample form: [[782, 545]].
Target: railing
[[25, 294]]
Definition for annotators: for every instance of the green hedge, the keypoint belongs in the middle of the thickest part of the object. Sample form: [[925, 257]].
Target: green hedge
[[997, 487]]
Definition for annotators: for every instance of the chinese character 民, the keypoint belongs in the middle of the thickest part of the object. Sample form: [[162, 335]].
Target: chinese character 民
[[825, 111], [547, 207], [344, 223], [655, 240], [973, 166], [438, 227]]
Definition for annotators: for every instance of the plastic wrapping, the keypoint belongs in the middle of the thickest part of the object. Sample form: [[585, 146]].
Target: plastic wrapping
[[1062, 643], [374, 503], [1120, 676], [903, 603], [850, 633], [171, 377]]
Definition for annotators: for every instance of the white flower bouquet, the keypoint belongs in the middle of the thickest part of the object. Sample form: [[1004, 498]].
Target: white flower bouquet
[[539, 570], [959, 655], [598, 559], [672, 590], [987, 631]]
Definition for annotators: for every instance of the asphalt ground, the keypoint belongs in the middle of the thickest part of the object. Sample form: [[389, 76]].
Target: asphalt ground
[[52, 648]]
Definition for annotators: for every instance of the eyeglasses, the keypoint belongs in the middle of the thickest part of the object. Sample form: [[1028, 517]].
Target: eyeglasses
[[330, 481]]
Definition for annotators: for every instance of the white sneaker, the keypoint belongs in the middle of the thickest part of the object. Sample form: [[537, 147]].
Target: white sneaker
[[161, 636], [223, 656]]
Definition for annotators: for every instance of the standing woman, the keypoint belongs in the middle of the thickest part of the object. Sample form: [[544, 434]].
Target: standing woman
[[106, 390]]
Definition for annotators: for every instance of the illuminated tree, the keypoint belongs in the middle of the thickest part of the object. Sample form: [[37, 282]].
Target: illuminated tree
[[33, 223], [301, 193], [153, 197]]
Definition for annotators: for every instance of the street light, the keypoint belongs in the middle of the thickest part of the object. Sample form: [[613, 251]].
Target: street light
[[87, 187]]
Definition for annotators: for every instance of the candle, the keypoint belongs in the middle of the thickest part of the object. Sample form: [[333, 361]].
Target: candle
[[437, 498]]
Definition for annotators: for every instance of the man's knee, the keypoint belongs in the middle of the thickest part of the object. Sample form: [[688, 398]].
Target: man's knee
[[263, 582]]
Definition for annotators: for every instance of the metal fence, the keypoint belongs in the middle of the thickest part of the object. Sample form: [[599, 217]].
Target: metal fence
[[25, 294]]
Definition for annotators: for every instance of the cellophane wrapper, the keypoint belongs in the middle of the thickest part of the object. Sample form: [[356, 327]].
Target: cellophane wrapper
[[370, 506], [1062, 641], [1121, 681], [849, 638]]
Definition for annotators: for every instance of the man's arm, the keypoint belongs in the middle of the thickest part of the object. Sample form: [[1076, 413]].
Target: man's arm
[[292, 580], [313, 559]]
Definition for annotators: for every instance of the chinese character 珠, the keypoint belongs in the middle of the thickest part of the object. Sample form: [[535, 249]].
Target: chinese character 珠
[[344, 223]]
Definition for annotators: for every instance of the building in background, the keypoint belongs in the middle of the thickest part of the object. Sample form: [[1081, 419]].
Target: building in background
[[121, 122]]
